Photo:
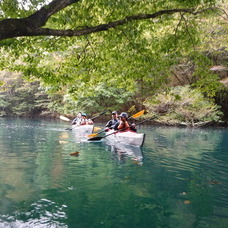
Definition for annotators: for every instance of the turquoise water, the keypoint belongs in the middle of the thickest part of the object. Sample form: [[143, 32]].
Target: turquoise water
[[179, 178]]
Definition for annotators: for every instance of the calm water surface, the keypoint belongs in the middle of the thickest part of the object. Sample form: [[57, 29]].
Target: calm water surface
[[179, 179]]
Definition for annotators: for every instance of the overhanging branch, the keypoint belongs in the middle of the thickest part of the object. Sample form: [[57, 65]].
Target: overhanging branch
[[32, 25], [40, 17], [10, 28]]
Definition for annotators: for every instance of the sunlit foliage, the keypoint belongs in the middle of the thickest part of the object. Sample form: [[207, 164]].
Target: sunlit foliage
[[183, 105], [131, 61]]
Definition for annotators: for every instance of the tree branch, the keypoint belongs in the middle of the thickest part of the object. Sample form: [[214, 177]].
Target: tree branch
[[10, 28], [40, 17], [32, 25]]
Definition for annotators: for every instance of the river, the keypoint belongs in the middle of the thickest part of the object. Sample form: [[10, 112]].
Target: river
[[178, 179]]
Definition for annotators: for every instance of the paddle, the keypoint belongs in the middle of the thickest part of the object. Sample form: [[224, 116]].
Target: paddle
[[95, 129], [102, 113], [66, 119], [95, 134], [101, 137], [136, 115]]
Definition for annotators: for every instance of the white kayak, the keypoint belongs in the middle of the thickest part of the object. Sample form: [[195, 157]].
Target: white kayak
[[83, 130], [127, 137]]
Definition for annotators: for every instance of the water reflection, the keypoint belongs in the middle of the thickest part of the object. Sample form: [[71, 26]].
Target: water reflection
[[81, 135], [122, 152]]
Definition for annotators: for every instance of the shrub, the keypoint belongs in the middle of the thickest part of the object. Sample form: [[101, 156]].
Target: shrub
[[183, 105]]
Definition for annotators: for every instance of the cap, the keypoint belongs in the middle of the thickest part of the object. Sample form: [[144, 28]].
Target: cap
[[84, 114], [114, 112], [124, 114]]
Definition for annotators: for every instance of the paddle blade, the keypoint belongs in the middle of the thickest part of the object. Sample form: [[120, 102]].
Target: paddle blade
[[64, 118], [95, 129], [92, 135], [95, 138], [131, 109], [138, 114]]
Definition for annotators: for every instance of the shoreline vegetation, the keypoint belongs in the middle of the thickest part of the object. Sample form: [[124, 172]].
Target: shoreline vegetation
[[181, 106], [177, 103]]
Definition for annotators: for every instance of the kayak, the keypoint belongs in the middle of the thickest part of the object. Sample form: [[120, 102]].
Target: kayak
[[83, 130], [126, 137]]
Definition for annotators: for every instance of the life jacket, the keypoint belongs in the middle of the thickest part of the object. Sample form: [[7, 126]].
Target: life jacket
[[123, 126]]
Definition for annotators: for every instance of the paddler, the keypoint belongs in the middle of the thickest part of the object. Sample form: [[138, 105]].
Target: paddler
[[77, 119], [123, 124], [111, 123], [84, 120]]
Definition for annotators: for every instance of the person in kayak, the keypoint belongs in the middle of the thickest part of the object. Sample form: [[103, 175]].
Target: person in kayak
[[77, 119], [84, 120], [124, 124], [111, 123]]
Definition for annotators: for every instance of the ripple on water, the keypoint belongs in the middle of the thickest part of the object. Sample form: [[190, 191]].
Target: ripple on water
[[43, 213]]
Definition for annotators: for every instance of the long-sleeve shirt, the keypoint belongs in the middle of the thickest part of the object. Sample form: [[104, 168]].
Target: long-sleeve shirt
[[111, 123]]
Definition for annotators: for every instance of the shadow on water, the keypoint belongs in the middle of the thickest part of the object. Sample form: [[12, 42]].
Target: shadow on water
[[178, 179]]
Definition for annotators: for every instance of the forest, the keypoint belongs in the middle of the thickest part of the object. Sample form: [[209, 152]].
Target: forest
[[64, 56]]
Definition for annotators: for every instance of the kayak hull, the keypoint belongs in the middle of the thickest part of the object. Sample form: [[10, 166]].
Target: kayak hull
[[126, 137]]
